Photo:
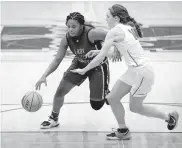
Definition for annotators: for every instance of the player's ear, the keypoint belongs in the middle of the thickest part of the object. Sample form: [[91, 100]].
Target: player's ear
[[116, 18]]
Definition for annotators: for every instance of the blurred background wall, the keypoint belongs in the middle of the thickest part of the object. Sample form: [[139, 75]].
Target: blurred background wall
[[147, 12], [23, 23]]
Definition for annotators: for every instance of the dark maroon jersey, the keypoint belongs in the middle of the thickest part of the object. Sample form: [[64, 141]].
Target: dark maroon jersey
[[81, 45]]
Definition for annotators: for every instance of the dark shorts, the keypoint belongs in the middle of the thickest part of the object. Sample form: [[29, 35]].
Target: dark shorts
[[98, 78]]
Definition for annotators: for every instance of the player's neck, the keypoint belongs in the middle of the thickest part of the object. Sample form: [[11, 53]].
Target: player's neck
[[117, 23]]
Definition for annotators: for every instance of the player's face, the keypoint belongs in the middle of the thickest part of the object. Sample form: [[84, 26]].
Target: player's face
[[110, 19], [74, 27]]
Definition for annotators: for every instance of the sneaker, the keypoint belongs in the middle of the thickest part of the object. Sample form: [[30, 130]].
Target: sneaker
[[119, 135], [173, 120], [50, 123]]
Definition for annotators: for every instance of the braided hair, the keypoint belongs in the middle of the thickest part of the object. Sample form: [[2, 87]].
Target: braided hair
[[122, 13], [79, 17], [76, 16]]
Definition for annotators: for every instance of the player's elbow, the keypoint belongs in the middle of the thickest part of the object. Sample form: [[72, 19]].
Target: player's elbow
[[58, 60], [56, 63]]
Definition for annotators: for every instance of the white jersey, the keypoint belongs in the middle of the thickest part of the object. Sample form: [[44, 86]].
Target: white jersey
[[130, 48]]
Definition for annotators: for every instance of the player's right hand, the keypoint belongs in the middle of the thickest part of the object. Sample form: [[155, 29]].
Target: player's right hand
[[40, 81], [116, 56], [91, 53]]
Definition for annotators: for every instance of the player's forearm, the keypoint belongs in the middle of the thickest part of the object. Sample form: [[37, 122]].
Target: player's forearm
[[95, 62], [97, 51], [100, 57], [52, 67]]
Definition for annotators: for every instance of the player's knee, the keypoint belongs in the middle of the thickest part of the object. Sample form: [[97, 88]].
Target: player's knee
[[63, 88], [111, 100], [60, 93], [97, 105]]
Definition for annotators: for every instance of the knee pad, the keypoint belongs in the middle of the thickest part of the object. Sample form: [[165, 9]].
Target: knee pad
[[97, 105]]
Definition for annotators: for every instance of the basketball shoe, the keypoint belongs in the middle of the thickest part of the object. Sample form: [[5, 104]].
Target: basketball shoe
[[50, 123], [119, 134], [173, 120]]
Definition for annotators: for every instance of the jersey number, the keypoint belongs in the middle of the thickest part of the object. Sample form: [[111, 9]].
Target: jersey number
[[133, 32]]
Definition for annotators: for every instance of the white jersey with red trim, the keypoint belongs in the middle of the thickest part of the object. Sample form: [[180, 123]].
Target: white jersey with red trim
[[130, 47]]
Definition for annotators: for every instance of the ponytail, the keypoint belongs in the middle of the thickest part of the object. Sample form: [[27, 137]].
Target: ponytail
[[122, 13], [133, 23]]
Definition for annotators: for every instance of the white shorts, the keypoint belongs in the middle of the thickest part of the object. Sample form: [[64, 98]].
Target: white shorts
[[141, 80]]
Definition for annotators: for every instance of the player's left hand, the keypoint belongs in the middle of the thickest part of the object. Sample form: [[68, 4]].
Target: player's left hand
[[79, 71]]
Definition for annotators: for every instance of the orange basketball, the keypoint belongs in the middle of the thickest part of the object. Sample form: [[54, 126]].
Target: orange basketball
[[32, 101]]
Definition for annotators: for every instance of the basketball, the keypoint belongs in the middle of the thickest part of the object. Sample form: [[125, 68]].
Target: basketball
[[32, 101]]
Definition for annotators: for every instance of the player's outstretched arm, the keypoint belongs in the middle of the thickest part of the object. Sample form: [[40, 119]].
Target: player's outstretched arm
[[111, 39], [58, 58], [54, 64], [113, 36]]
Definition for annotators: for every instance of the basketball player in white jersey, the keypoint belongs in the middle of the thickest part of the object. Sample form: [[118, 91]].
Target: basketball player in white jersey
[[139, 77]]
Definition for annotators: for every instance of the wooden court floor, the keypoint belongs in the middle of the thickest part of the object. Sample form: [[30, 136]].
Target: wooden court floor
[[80, 126], [53, 139]]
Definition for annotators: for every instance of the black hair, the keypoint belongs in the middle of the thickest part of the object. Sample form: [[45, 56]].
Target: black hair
[[121, 12], [76, 16], [80, 18]]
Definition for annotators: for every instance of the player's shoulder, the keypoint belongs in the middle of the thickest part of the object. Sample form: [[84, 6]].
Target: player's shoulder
[[65, 40], [97, 31], [117, 30], [96, 34]]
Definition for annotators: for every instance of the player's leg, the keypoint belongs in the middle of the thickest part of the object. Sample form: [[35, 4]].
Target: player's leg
[[106, 79], [137, 106], [69, 81], [119, 90], [97, 85], [138, 94], [64, 87]]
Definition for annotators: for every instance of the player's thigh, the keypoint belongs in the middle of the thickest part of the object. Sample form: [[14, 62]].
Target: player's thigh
[[97, 83], [143, 84], [74, 78], [119, 90], [105, 67], [140, 89]]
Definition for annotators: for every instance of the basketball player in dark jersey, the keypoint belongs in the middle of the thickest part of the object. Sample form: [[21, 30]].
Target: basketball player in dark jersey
[[84, 41]]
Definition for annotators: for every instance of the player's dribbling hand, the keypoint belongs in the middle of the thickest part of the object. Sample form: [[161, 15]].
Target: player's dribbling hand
[[79, 71], [40, 81]]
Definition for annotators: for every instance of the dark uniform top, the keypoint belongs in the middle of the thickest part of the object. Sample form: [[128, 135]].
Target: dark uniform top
[[99, 76], [80, 46]]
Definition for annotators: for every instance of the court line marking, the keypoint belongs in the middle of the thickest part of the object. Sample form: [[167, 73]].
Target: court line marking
[[63, 132], [49, 104]]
